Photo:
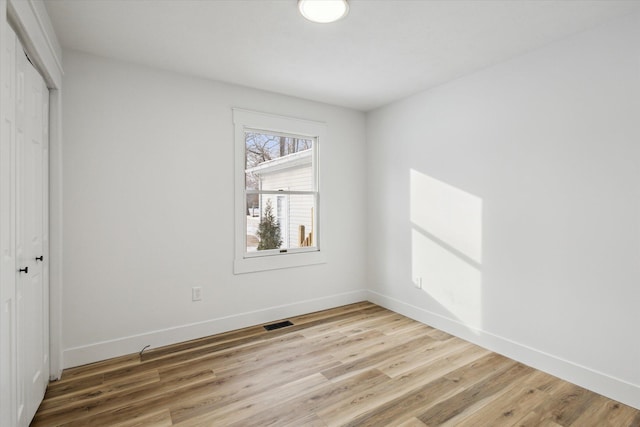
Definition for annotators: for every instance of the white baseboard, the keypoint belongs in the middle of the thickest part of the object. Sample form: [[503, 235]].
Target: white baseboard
[[132, 344], [601, 383]]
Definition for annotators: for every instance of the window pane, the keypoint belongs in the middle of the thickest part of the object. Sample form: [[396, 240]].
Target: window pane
[[275, 162], [283, 221]]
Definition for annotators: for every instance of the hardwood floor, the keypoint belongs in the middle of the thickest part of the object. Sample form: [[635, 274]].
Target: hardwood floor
[[357, 365]]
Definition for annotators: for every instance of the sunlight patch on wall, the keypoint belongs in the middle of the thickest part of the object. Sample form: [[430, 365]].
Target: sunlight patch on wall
[[450, 280], [448, 213], [446, 246]]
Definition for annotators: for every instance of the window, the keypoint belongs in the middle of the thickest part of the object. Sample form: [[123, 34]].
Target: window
[[277, 192]]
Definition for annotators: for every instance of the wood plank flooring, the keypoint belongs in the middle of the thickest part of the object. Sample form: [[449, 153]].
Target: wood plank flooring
[[357, 365]]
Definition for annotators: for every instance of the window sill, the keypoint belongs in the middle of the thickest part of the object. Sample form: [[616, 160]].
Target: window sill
[[276, 262]]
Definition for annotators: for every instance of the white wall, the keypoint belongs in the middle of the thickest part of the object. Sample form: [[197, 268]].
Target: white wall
[[514, 193], [148, 208]]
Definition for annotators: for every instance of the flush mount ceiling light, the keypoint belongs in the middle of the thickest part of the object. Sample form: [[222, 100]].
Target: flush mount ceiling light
[[323, 11]]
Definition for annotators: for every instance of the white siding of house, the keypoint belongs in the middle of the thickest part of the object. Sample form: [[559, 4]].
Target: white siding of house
[[295, 179]]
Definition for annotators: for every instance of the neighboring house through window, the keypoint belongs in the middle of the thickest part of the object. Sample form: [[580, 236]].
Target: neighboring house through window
[[283, 219], [277, 191]]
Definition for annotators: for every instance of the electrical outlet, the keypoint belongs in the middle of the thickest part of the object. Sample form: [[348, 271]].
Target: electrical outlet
[[196, 293], [417, 282]]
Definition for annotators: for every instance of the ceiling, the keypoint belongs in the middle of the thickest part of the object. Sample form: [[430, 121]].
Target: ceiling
[[382, 51]]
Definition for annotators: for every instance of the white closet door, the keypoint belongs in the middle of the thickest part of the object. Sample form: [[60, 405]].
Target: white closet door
[[24, 201], [31, 286], [8, 349], [35, 305], [22, 261]]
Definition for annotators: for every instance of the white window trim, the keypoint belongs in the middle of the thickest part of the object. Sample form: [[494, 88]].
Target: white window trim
[[250, 120]]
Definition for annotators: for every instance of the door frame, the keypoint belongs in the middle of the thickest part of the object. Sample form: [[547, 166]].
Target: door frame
[[32, 25]]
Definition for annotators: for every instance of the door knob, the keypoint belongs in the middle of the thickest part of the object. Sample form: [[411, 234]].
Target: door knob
[[40, 258], [24, 270]]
